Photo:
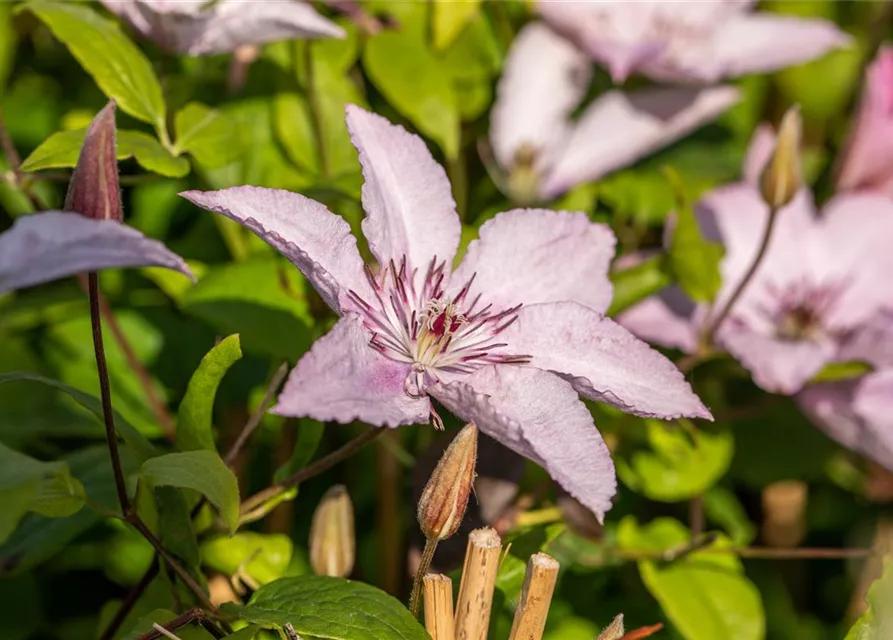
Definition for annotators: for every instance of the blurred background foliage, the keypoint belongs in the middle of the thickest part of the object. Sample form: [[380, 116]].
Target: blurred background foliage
[[282, 125]]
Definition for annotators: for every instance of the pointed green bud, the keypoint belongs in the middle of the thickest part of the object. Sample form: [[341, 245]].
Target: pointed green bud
[[783, 175], [443, 502], [332, 535], [93, 191]]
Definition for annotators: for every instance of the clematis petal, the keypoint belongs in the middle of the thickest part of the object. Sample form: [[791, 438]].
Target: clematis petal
[[537, 255], [871, 342], [540, 417], [343, 379], [620, 128], [409, 206], [779, 366], [856, 413], [762, 42], [544, 79], [198, 28], [55, 244], [668, 318], [602, 360], [856, 232], [317, 241]]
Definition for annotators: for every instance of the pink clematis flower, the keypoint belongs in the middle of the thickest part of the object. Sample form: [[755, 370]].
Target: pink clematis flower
[[699, 42], [544, 152], [55, 244], [508, 340], [867, 158], [822, 279], [858, 413], [200, 28]]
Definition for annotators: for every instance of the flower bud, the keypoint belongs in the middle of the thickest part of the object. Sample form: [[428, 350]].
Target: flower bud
[[783, 176], [332, 536], [613, 631], [443, 502], [93, 191]]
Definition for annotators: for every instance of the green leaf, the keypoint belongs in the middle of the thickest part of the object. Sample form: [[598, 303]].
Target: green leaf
[[195, 423], [115, 63], [141, 448], [334, 608], [144, 625], [705, 595], [60, 495], [693, 260], [634, 284], [175, 526], [262, 299], [877, 622], [263, 557], [724, 508], [20, 480], [245, 633], [450, 18], [411, 77], [8, 42], [62, 148], [835, 371], [679, 464], [201, 471], [206, 134], [309, 436]]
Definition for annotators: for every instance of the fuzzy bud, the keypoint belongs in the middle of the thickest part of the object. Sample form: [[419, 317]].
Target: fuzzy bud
[[93, 191], [783, 175], [332, 536], [443, 502]]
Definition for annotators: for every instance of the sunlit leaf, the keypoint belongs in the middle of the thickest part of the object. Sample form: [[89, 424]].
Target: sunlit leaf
[[206, 134], [195, 423], [877, 622], [263, 557], [201, 471], [116, 64], [326, 607], [636, 283]]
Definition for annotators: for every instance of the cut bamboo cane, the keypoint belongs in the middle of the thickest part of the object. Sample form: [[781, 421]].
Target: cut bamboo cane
[[478, 582], [439, 607], [536, 596]]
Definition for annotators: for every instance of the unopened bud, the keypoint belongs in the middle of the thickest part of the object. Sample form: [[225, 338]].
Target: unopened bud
[[783, 176], [443, 502], [613, 631], [332, 536], [93, 190]]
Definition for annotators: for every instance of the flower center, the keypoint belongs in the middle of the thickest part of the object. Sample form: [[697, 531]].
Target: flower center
[[418, 324], [802, 309]]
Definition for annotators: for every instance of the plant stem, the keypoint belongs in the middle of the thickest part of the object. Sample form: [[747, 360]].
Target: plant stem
[[323, 464], [105, 393], [714, 325], [257, 416], [131, 600], [315, 109], [9, 149], [766, 553], [162, 415], [424, 565], [193, 615]]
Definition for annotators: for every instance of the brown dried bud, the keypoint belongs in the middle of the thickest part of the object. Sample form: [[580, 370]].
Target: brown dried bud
[[613, 631], [443, 502], [783, 175], [332, 536], [93, 190]]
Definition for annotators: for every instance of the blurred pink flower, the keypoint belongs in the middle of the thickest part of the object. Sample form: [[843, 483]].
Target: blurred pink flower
[[544, 152], [867, 158], [200, 28], [822, 278], [507, 340], [689, 41], [858, 413], [56, 244]]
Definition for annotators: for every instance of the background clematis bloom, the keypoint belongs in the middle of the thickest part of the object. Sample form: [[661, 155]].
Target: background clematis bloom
[[508, 340], [858, 413], [200, 28], [544, 152], [55, 244], [821, 280], [699, 42], [867, 158]]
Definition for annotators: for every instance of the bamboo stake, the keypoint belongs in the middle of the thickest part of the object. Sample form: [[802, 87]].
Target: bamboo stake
[[478, 582], [439, 607], [536, 596]]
